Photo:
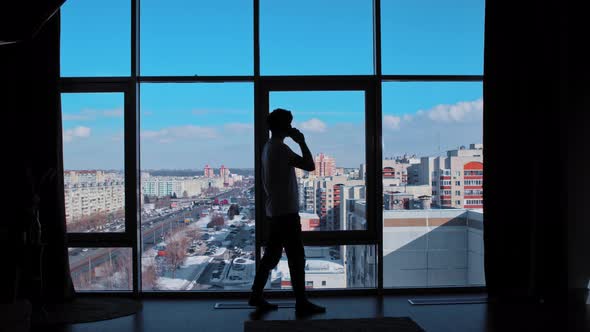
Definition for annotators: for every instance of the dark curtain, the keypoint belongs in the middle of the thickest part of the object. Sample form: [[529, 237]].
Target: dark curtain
[[34, 150], [525, 232]]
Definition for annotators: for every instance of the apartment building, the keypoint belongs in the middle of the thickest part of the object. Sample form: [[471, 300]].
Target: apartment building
[[457, 179], [84, 199]]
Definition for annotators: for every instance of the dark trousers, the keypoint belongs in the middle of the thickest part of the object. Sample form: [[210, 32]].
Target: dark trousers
[[284, 232]]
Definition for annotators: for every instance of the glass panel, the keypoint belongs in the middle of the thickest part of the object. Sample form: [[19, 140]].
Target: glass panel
[[310, 37], [346, 266], [180, 37], [432, 184], [333, 123], [197, 154], [94, 181], [432, 37], [96, 38], [105, 269]]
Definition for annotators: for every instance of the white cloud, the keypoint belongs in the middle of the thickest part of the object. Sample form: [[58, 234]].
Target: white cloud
[[391, 122], [77, 132], [239, 127], [171, 134], [88, 114], [459, 112], [313, 125]]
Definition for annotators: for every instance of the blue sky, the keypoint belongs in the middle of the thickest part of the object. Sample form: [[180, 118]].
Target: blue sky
[[190, 125]]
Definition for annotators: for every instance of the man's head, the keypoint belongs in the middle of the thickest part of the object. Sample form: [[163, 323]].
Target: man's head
[[279, 121]]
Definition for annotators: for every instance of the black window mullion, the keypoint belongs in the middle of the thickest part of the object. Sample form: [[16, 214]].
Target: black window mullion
[[377, 204], [377, 37], [132, 184], [134, 151]]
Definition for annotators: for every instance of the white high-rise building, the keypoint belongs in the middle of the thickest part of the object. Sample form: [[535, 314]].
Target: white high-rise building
[[457, 179], [84, 199]]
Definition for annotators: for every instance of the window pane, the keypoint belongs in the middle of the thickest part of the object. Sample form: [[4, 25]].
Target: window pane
[[94, 181], [96, 38], [197, 154], [432, 184], [105, 269], [316, 37], [432, 37], [180, 37], [347, 266], [333, 123]]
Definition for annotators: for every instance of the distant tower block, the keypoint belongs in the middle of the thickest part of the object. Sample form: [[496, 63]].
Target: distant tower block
[[324, 165], [224, 174], [208, 172]]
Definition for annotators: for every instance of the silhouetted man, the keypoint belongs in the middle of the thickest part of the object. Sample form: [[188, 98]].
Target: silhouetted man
[[282, 210]]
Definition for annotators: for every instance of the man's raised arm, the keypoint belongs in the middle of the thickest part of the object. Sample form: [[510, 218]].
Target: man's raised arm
[[306, 161]]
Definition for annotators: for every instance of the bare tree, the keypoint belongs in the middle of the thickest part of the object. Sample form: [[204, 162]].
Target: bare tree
[[233, 210], [149, 277], [176, 246], [124, 267], [216, 220]]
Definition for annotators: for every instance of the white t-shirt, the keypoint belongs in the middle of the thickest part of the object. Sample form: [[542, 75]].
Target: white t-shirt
[[278, 179]]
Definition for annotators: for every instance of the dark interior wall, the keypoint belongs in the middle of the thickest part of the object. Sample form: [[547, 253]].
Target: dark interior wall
[[20, 20], [33, 140], [527, 124], [578, 184], [576, 125]]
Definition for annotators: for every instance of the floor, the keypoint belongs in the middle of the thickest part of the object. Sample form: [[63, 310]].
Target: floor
[[184, 315]]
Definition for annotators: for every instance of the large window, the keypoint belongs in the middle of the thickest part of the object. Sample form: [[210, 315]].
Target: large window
[[164, 109], [101, 269], [94, 179], [180, 37], [96, 38], [333, 123], [328, 37], [432, 37], [197, 185]]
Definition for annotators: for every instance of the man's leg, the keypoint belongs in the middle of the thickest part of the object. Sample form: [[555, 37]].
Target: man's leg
[[271, 257], [296, 258]]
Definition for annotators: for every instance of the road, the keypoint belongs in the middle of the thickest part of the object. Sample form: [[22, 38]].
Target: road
[[157, 227]]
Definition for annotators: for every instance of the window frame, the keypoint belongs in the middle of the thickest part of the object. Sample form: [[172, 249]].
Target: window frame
[[130, 86], [325, 83], [130, 236]]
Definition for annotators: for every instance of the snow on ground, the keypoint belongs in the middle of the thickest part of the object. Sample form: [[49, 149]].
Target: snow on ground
[[148, 258], [202, 222], [218, 235], [219, 251], [165, 283], [242, 272], [184, 278], [195, 260], [237, 220]]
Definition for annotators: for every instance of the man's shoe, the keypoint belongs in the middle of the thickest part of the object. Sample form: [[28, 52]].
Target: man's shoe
[[308, 308], [261, 304]]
